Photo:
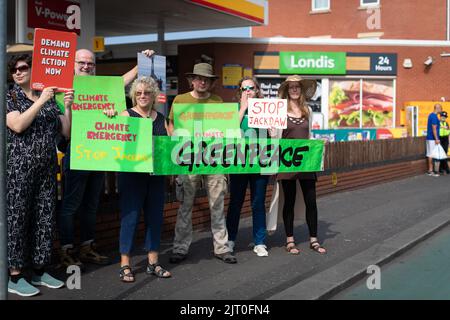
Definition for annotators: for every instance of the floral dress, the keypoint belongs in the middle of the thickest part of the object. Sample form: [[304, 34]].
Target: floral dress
[[31, 183]]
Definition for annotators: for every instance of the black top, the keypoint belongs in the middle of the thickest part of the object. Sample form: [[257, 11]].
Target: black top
[[159, 128], [297, 128], [37, 143]]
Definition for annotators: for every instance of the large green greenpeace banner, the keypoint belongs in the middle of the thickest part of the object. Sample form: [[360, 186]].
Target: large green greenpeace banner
[[183, 155], [206, 120], [96, 94], [104, 144]]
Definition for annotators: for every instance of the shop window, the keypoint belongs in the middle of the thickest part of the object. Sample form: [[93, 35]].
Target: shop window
[[320, 5], [361, 104], [269, 89], [370, 3], [316, 101]]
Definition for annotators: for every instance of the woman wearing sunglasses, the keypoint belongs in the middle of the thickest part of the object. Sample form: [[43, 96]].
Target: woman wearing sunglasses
[[248, 88], [33, 122]]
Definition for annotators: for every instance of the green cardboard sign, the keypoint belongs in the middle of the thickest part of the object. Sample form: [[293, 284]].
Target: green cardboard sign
[[313, 62], [96, 94], [183, 155], [207, 120], [118, 144]]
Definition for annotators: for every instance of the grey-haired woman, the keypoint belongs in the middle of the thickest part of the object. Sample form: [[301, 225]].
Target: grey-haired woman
[[142, 191]]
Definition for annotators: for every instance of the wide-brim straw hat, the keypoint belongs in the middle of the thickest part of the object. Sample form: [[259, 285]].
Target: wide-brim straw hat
[[202, 69], [308, 86]]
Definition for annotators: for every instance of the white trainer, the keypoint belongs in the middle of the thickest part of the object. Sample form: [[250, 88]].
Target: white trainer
[[260, 250]]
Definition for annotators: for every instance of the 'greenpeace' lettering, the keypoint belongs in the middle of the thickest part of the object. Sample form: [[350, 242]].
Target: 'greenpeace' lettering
[[202, 154]]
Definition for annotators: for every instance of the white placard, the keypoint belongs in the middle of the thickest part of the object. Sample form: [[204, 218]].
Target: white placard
[[267, 113]]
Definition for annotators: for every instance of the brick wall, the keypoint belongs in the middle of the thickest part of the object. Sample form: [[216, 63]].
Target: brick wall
[[400, 19], [418, 83], [108, 224]]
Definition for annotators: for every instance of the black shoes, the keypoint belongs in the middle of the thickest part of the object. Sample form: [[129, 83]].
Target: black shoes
[[226, 257]]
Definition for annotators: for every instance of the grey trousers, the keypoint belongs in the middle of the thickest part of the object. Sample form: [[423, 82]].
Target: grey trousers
[[216, 187]]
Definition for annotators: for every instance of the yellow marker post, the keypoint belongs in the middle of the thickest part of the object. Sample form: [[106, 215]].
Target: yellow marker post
[[98, 44], [334, 178]]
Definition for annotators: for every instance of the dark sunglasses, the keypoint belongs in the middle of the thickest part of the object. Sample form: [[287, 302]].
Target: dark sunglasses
[[21, 69], [145, 93], [247, 88]]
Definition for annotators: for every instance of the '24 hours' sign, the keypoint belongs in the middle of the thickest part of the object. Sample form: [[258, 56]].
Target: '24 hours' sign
[[376, 63]]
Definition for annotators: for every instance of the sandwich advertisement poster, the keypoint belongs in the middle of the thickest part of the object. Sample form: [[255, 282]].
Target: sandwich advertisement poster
[[361, 103]]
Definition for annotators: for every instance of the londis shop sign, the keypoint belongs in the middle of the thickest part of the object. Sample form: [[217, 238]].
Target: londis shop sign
[[312, 62]]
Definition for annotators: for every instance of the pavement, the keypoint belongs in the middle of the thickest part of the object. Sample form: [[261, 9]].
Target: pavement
[[359, 228]]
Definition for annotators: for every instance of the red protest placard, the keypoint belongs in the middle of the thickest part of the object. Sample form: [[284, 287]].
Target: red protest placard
[[53, 59], [162, 98]]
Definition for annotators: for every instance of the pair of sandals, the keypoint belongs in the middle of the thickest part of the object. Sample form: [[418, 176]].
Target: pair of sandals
[[154, 269], [314, 245]]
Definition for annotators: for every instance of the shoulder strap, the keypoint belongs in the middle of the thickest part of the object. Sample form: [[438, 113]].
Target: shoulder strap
[[133, 113]]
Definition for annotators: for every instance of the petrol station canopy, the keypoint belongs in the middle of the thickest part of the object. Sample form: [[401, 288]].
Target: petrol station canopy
[[107, 18], [142, 16]]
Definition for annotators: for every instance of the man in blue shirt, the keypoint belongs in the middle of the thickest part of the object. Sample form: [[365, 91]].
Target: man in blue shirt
[[433, 137]]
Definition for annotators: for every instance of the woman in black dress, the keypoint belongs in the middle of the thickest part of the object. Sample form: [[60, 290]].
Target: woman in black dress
[[33, 122], [296, 90]]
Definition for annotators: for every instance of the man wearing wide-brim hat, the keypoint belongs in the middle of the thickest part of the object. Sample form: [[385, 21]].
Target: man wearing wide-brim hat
[[201, 80]]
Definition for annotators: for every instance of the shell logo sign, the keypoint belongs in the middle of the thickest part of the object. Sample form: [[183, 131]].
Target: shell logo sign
[[253, 10]]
